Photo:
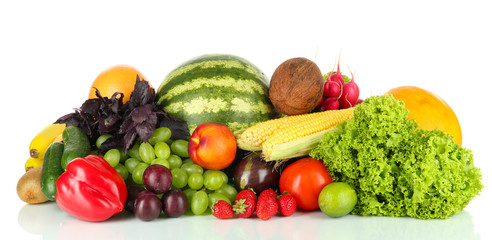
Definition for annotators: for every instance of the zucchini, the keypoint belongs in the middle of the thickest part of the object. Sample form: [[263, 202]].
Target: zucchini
[[76, 145], [51, 169]]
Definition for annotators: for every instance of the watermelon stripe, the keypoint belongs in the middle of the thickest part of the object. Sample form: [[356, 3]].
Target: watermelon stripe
[[217, 88], [226, 93], [214, 105], [215, 68], [248, 87], [216, 72], [227, 118]]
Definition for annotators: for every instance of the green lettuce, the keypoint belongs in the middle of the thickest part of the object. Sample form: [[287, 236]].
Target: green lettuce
[[396, 168]]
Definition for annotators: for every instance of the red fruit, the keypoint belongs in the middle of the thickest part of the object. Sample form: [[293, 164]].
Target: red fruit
[[326, 87], [268, 192], [222, 210], [287, 204], [337, 76], [320, 102], [359, 101], [266, 207], [330, 104], [334, 89], [245, 203], [350, 94], [208, 142], [245, 193]]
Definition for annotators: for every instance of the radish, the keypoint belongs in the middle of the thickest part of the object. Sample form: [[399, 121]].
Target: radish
[[337, 76], [350, 94], [332, 89], [320, 102], [330, 104], [359, 101]]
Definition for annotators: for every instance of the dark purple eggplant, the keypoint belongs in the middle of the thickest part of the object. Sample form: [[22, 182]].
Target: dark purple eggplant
[[252, 172]]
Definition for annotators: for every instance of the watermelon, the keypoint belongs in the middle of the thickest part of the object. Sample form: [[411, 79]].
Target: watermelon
[[217, 88]]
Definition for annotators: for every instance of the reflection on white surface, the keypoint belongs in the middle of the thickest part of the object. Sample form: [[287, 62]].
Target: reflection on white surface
[[50, 222]]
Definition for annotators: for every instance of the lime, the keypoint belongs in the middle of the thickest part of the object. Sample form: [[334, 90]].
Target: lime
[[337, 199]]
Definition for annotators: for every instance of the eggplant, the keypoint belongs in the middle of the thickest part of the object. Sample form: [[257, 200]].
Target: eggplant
[[252, 172]]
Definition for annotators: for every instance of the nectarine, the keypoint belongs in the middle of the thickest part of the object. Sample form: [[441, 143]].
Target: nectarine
[[212, 146]]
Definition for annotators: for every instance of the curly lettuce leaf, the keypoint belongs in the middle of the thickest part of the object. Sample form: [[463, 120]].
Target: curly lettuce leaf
[[396, 168]]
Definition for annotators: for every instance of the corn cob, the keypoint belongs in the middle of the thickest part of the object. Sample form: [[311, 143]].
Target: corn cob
[[320, 123], [253, 137], [292, 136]]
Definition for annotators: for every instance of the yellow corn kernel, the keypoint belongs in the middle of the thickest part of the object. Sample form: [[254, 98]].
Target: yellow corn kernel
[[255, 135], [317, 122]]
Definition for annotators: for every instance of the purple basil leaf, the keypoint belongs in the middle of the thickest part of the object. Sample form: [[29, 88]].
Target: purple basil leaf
[[116, 102], [145, 130], [114, 142], [109, 124], [91, 107], [129, 138], [142, 94], [178, 127], [141, 114]]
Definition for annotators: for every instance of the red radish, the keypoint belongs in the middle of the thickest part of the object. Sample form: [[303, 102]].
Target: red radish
[[359, 101], [326, 88], [330, 104], [350, 94], [332, 89], [337, 76], [320, 102]]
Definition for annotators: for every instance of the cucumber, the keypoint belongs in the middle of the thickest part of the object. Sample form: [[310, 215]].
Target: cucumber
[[51, 169], [76, 145]]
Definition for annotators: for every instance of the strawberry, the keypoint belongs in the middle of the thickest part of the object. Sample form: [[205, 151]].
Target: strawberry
[[245, 203], [266, 207], [286, 204], [269, 192], [222, 210], [246, 193]]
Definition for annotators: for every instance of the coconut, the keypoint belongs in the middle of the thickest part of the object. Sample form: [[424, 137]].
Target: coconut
[[296, 86]]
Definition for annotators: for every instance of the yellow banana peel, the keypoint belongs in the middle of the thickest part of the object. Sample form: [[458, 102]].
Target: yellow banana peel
[[44, 138], [32, 163]]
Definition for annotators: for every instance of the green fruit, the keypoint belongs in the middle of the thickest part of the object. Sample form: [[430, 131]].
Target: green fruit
[[180, 148], [199, 203], [120, 169], [146, 152], [337, 199], [161, 134], [180, 178], [217, 88], [213, 198], [162, 150], [76, 144], [112, 156], [51, 169]]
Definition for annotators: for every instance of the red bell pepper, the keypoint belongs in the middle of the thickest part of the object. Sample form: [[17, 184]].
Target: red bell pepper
[[91, 189]]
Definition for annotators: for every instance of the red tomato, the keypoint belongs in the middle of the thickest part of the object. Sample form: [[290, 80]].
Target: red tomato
[[304, 179]]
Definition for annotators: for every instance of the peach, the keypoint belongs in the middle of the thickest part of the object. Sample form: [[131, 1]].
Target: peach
[[212, 146]]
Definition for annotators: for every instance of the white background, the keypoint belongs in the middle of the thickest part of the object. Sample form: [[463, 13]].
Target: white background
[[51, 51]]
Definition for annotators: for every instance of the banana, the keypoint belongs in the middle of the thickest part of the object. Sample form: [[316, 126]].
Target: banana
[[58, 138], [32, 163], [44, 138]]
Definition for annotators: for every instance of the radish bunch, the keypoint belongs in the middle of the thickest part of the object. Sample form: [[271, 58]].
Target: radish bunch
[[338, 94]]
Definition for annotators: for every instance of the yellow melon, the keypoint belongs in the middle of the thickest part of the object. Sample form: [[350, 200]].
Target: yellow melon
[[429, 110]]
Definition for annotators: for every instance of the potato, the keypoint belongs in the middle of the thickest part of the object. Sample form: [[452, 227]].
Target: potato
[[29, 187]]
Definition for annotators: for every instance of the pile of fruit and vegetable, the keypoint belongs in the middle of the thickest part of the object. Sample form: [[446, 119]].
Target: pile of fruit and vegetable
[[219, 137]]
